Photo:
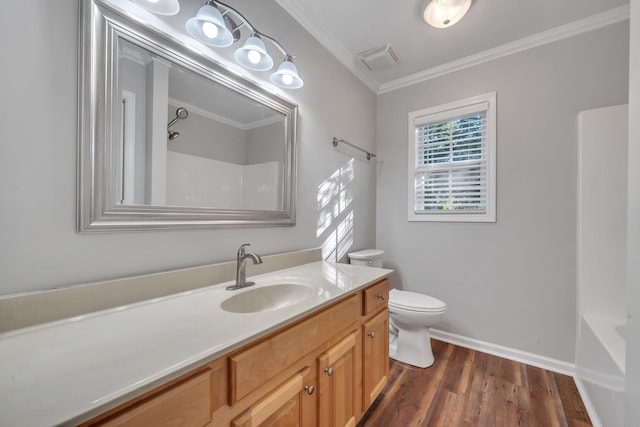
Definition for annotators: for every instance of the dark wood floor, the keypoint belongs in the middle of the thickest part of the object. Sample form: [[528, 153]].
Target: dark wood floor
[[468, 388]]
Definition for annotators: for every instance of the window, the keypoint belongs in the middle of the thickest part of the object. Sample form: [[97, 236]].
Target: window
[[452, 167]]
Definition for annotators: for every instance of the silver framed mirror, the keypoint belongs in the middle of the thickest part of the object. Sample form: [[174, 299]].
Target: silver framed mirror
[[168, 138]]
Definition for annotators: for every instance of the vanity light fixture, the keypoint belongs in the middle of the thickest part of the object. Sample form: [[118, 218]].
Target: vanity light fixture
[[217, 28], [445, 13], [253, 54], [287, 75], [161, 7], [208, 27]]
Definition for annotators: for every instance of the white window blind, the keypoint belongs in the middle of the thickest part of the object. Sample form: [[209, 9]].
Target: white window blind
[[453, 168]]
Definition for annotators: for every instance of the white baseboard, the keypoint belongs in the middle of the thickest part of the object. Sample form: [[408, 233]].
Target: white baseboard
[[588, 404], [537, 360]]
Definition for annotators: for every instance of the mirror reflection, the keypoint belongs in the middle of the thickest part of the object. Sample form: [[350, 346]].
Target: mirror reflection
[[187, 142]]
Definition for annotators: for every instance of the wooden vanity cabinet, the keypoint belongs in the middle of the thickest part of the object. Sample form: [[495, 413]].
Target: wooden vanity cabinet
[[339, 398], [375, 341], [323, 370], [269, 358], [292, 404], [375, 360]]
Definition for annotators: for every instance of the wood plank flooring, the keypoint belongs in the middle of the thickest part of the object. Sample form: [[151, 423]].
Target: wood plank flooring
[[468, 388]]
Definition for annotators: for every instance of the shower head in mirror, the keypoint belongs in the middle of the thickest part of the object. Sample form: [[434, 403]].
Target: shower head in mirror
[[181, 114]]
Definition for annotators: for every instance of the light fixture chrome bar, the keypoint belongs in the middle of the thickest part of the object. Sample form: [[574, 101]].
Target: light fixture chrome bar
[[336, 141], [214, 25], [235, 28], [253, 29]]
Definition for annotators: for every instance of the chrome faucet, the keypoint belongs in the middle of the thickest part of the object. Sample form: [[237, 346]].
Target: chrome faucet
[[240, 268]]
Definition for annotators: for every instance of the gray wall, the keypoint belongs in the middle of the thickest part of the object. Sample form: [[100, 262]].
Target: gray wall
[[513, 282], [133, 76], [264, 143], [39, 247], [632, 395], [204, 137]]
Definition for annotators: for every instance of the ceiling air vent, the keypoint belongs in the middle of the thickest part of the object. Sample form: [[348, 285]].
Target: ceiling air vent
[[379, 57]]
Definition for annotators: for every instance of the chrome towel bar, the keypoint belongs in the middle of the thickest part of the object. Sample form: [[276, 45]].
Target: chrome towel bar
[[336, 141]]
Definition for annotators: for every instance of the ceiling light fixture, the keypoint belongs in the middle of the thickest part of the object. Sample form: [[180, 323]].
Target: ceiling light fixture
[[445, 13], [161, 7], [217, 28]]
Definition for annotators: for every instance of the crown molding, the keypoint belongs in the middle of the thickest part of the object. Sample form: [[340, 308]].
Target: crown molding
[[332, 44], [134, 56], [594, 22], [216, 117], [337, 49], [206, 114]]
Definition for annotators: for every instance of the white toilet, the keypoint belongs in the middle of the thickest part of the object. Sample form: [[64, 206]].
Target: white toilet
[[411, 316]]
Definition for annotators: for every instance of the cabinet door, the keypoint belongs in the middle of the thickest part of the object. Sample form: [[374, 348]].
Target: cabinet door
[[375, 369], [292, 404], [339, 367]]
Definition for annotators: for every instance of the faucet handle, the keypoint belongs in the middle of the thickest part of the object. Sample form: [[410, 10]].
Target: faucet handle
[[241, 249]]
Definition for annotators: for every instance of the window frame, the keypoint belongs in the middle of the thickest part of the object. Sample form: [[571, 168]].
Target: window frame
[[444, 113]]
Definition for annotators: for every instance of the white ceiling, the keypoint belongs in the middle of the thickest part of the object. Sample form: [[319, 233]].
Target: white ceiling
[[197, 94], [491, 28]]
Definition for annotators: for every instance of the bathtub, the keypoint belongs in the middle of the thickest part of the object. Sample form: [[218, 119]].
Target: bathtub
[[602, 258], [600, 368]]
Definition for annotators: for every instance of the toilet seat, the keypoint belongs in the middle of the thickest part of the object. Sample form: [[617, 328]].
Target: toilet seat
[[413, 301]]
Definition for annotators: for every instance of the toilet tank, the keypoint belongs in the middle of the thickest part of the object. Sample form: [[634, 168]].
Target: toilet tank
[[370, 257]]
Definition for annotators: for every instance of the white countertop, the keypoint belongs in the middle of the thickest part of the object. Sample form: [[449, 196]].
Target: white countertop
[[68, 371]]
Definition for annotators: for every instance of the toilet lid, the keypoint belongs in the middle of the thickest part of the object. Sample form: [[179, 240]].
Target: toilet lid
[[414, 301], [366, 254]]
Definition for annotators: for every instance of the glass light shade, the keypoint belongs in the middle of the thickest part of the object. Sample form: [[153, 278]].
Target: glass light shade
[[445, 13], [287, 76], [160, 7], [253, 55], [208, 27]]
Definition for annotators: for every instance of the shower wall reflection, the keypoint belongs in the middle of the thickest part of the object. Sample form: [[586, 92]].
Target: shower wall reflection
[[188, 143]]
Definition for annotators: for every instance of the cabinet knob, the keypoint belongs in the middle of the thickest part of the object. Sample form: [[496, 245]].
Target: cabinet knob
[[329, 371], [381, 297], [371, 334], [310, 389]]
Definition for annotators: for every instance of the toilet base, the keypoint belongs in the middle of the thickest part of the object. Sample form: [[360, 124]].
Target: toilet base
[[412, 347]]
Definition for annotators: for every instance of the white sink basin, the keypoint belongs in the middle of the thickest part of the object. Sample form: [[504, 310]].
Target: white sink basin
[[267, 298]]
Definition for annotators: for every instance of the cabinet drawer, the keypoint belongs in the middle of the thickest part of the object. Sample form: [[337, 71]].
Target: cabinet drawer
[[282, 407], [251, 368], [376, 297], [187, 403]]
